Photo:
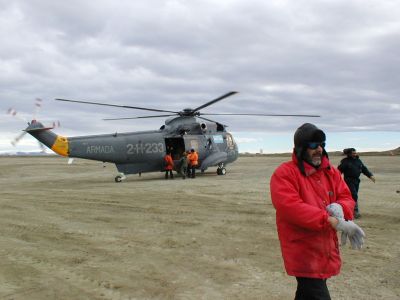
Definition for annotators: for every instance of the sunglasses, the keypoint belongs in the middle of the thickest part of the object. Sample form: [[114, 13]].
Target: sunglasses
[[315, 145]]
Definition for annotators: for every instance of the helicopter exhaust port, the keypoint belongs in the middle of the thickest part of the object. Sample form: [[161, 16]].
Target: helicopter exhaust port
[[203, 126]]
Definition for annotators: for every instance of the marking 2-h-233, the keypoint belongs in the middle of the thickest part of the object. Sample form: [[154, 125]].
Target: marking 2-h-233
[[147, 148]]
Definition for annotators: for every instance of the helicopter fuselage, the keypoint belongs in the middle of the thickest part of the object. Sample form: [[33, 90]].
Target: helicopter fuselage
[[141, 152]]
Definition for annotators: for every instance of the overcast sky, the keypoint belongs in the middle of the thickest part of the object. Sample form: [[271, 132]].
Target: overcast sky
[[338, 59]]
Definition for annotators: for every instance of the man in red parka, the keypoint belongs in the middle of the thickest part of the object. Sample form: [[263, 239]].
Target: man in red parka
[[312, 202]]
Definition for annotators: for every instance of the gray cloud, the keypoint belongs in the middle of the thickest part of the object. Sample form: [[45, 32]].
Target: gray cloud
[[337, 59]]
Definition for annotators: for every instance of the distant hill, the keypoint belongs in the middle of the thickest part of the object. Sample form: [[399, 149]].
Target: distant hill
[[383, 153], [27, 154], [333, 153]]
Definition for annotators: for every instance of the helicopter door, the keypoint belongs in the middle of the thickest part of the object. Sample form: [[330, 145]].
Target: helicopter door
[[176, 146]]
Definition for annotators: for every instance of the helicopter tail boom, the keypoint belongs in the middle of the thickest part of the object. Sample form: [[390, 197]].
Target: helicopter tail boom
[[57, 143]]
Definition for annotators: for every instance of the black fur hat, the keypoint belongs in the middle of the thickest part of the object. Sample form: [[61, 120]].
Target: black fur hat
[[348, 151], [305, 134]]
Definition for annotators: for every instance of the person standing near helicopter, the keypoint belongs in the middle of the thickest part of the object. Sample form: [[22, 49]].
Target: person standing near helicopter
[[184, 165], [169, 165], [193, 158]]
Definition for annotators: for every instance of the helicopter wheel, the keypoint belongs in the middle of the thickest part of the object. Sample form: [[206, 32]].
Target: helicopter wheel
[[120, 177], [221, 171]]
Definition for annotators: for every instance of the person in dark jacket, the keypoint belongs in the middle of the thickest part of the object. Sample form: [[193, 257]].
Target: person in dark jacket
[[184, 165], [352, 167], [312, 202]]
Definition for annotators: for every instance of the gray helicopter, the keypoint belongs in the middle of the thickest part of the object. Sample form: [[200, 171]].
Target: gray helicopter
[[144, 151]]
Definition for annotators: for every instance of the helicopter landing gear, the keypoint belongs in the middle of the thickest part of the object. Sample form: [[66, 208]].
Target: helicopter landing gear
[[120, 177], [221, 170]]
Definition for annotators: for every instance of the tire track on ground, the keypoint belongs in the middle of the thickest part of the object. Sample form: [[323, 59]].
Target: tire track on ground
[[89, 286]]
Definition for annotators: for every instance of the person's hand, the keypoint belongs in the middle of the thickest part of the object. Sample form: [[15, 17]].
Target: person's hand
[[351, 231], [335, 210], [372, 179]]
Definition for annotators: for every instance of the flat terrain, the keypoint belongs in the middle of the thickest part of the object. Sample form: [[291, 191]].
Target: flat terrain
[[71, 232]]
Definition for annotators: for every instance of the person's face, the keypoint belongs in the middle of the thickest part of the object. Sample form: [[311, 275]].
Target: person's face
[[353, 154], [314, 155]]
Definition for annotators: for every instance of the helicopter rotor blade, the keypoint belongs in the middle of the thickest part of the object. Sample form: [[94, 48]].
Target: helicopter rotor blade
[[143, 117], [13, 113], [115, 105], [42, 147], [18, 138], [38, 106], [262, 115], [214, 101]]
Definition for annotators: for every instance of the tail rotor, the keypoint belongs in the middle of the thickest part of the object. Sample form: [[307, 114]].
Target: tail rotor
[[15, 141], [38, 106], [12, 112]]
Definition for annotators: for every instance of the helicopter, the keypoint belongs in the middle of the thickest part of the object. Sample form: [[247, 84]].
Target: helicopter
[[144, 151]]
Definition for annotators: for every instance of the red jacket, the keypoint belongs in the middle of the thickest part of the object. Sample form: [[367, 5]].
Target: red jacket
[[309, 244]]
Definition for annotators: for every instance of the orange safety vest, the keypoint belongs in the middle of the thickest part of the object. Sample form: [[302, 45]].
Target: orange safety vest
[[193, 158], [169, 163]]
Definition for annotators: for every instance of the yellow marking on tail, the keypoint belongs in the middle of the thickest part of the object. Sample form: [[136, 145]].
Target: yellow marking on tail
[[60, 146]]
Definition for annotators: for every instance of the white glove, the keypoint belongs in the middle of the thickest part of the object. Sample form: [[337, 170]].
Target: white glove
[[349, 229], [335, 210], [354, 232]]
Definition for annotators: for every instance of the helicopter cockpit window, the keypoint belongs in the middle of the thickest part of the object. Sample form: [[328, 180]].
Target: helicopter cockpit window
[[229, 140], [218, 139]]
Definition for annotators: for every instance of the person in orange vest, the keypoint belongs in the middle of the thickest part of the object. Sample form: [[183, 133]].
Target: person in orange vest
[[193, 158], [169, 165]]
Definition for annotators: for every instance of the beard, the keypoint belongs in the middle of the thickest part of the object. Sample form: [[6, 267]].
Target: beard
[[314, 160]]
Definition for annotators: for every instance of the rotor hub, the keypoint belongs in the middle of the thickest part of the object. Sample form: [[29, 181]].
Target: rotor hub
[[189, 112]]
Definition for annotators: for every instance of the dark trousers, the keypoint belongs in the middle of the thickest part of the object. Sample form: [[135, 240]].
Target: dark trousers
[[184, 172], [170, 174], [354, 185], [192, 171], [312, 289]]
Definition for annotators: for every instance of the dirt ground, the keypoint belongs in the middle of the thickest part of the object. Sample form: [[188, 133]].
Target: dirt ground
[[71, 232]]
